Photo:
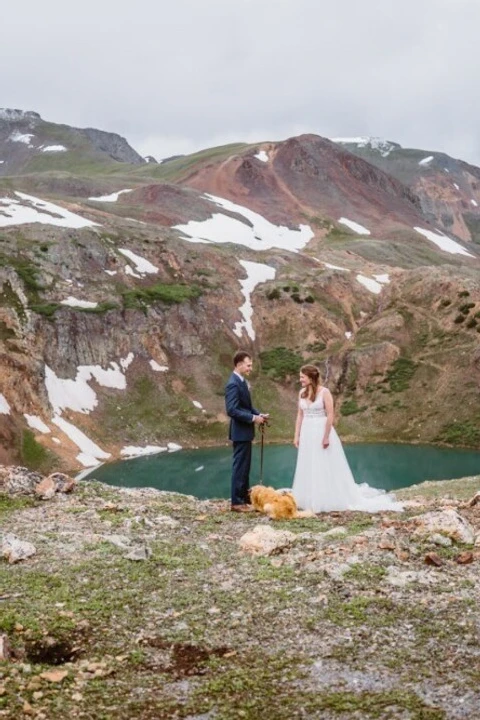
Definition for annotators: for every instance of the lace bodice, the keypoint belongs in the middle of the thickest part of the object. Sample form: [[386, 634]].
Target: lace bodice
[[313, 409]]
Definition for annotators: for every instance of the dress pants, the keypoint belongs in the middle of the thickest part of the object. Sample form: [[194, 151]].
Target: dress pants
[[242, 457]]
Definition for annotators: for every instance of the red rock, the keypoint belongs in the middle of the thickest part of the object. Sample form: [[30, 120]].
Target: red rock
[[464, 558], [433, 558], [45, 489]]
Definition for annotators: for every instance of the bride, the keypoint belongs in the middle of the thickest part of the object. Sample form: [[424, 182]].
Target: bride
[[323, 480]]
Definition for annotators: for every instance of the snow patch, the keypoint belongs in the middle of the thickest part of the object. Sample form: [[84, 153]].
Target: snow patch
[[262, 156], [141, 265], [356, 227], [36, 423], [384, 279], [133, 451], [335, 267], [456, 186], [197, 404], [20, 137], [370, 284], [54, 148], [426, 161], [443, 242], [126, 362], [34, 210], [77, 395], [256, 273], [474, 203], [111, 272], [111, 198], [73, 302], [348, 335], [173, 447], [384, 147], [158, 368], [4, 406], [257, 234], [90, 454], [129, 271]]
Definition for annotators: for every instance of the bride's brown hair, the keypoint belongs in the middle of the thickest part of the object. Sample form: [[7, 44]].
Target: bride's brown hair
[[313, 373]]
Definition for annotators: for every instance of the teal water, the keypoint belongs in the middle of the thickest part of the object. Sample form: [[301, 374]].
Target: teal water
[[206, 473]]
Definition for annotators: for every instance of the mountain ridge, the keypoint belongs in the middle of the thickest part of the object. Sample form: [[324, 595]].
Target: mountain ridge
[[125, 289]]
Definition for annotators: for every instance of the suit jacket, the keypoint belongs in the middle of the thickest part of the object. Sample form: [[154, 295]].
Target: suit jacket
[[239, 408]]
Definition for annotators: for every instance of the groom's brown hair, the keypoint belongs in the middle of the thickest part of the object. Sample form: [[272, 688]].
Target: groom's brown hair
[[240, 356]]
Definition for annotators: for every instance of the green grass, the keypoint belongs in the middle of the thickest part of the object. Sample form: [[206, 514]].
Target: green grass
[[34, 455], [400, 374], [466, 433], [10, 504], [141, 298], [178, 168], [279, 362], [350, 407]]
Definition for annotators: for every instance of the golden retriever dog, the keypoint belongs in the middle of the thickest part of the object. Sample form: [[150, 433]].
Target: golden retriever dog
[[277, 504]]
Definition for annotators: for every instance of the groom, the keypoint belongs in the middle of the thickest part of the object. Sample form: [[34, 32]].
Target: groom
[[243, 418]]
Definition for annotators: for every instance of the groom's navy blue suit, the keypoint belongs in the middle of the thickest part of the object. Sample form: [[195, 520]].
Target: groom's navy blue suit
[[242, 431]]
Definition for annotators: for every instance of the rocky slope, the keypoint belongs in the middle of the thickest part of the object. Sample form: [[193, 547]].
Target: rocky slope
[[126, 287], [132, 603], [448, 189]]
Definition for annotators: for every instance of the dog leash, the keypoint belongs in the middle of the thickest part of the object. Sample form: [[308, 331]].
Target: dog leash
[[262, 433]]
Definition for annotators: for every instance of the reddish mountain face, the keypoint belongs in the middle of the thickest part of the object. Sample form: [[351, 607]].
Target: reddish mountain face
[[310, 176]]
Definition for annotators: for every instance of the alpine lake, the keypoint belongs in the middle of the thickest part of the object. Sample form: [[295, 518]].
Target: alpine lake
[[205, 473]]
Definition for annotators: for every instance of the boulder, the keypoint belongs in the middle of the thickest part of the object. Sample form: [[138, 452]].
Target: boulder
[[14, 549], [265, 540], [447, 522]]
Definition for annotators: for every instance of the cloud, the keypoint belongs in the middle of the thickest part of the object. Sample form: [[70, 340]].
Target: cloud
[[175, 77]]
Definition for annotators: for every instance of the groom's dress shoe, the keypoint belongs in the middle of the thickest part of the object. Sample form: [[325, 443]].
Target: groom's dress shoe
[[241, 508]]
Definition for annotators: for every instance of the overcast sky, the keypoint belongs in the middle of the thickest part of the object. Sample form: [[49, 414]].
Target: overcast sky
[[179, 75]]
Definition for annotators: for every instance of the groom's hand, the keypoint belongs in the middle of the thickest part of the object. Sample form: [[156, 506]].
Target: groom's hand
[[259, 419]]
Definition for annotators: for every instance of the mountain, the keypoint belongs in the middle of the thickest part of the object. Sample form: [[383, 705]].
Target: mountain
[[126, 287], [29, 144], [448, 189]]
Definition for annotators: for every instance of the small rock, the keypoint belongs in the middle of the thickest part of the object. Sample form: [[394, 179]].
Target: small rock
[[433, 558], [5, 648], [387, 542], [54, 676], [464, 558], [27, 708], [402, 554], [438, 539], [139, 553], [14, 549]]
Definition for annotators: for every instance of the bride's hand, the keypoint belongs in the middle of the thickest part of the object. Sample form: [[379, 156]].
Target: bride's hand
[[296, 442], [325, 443]]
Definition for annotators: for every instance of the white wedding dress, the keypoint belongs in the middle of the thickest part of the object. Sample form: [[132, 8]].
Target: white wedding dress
[[323, 480]]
